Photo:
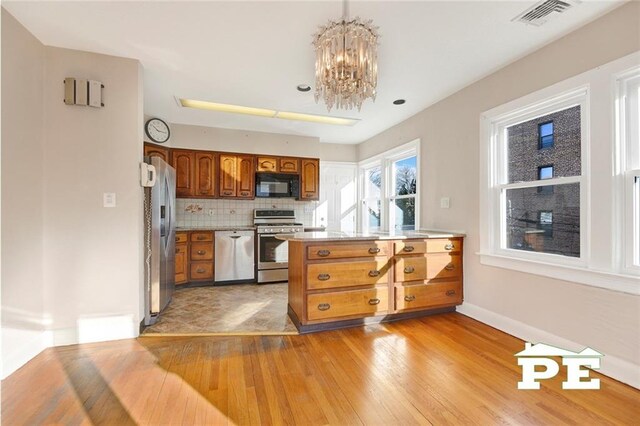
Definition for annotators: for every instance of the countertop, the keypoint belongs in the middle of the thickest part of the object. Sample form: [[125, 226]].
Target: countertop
[[215, 228], [357, 236]]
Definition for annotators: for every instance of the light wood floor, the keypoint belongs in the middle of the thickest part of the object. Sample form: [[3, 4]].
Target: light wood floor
[[444, 369]]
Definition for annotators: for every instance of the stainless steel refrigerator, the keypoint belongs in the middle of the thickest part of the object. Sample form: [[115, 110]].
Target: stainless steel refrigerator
[[160, 236]]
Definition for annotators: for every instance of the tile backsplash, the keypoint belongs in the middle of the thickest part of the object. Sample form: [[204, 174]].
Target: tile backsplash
[[193, 212]]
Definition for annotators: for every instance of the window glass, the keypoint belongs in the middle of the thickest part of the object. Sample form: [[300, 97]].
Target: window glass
[[404, 176], [372, 182], [372, 215], [404, 213], [542, 223], [545, 172], [546, 135], [524, 158]]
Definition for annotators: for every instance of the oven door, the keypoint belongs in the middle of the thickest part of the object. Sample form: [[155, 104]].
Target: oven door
[[272, 252]]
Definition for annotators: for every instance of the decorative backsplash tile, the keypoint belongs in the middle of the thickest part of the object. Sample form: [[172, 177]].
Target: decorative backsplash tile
[[221, 212]]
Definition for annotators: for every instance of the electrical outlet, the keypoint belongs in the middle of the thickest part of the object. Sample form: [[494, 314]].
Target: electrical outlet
[[211, 212], [444, 202], [109, 199]]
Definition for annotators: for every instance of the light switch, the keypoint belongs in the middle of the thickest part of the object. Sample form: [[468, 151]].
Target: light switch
[[444, 202], [109, 199]]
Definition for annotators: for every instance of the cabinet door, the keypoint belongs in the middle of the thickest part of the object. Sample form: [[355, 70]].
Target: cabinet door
[[181, 263], [289, 165], [310, 180], [228, 175], [152, 150], [267, 164], [184, 163], [205, 174], [245, 176]]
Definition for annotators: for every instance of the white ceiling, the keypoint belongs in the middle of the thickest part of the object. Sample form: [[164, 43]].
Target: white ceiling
[[255, 53]]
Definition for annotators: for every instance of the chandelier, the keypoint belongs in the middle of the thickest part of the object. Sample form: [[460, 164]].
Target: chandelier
[[346, 62]]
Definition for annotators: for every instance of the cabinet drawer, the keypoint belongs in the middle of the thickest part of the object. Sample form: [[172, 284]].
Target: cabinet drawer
[[181, 237], [289, 165], [201, 271], [201, 251], [428, 295], [444, 265], [410, 247], [202, 236], [346, 303], [346, 274], [444, 245], [349, 250], [410, 268], [266, 164]]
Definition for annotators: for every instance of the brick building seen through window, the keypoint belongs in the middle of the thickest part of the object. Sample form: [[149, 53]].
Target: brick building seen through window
[[545, 218]]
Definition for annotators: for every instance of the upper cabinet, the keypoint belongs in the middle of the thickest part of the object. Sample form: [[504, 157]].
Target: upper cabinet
[[184, 161], [267, 164], [237, 176], [153, 150], [206, 166], [310, 179], [289, 165]]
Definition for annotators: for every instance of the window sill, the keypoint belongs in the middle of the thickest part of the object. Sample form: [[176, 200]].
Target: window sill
[[607, 280]]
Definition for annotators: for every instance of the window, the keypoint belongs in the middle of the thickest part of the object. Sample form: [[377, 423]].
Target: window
[[537, 193], [587, 230], [628, 129], [545, 135], [389, 188]]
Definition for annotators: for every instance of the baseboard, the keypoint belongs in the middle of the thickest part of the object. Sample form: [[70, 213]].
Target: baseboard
[[97, 329], [19, 346], [614, 367]]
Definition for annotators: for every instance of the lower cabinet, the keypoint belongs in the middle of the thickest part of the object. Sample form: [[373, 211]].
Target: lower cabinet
[[334, 282], [194, 256], [181, 260]]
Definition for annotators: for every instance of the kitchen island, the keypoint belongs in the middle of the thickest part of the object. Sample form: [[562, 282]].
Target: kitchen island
[[339, 279]]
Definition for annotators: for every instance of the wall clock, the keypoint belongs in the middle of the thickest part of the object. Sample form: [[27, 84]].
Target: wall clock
[[157, 130]]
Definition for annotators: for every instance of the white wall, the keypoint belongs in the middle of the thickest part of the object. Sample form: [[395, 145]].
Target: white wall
[[93, 255], [229, 140], [449, 130], [23, 329]]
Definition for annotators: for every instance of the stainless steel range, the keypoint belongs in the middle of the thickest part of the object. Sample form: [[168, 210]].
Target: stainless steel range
[[272, 253]]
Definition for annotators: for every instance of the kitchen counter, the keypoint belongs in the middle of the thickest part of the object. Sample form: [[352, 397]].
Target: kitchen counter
[[215, 228], [357, 236]]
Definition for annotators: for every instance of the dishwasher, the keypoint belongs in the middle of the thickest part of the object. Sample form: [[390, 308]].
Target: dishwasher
[[235, 257]]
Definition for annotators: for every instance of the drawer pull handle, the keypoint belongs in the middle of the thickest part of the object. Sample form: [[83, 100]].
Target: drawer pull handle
[[226, 192], [201, 252], [324, 306], [323, 253], [177, 251], [450, 292], [409, 298], [324, 277], [244, 194], [200, 237], [374, 273], [408, 248], [450, 267], [449, 247], [409, 270], [374, 250], [200, 271], [374, 301]]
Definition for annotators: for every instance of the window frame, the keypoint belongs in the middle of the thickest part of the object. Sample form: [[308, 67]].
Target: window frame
[[385, 161], [498, 170]]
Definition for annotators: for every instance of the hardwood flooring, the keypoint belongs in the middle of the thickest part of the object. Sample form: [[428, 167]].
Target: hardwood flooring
[[442, 369]]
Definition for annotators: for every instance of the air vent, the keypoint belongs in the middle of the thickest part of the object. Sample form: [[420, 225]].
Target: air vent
[[540, 12]]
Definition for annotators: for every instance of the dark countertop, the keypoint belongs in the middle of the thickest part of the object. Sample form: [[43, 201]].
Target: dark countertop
[[215, 228], [356, 236]]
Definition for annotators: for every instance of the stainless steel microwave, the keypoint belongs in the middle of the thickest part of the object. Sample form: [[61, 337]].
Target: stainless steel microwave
[[277, 185]]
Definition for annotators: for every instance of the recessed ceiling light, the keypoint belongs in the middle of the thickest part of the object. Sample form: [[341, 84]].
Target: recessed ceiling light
[[269, 113], [303, 87], [399, 101]]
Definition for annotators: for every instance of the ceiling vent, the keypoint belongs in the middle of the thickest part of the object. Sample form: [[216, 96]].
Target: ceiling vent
[[541, 12]]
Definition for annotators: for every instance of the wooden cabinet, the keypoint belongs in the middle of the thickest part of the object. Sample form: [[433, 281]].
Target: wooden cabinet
[[184, 162], [201, 256], [237, 176], [288, 165], [205, 174], [309, 179], [153, 150], [181, 259], [335, 284], [246, 176], [266, 164]]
